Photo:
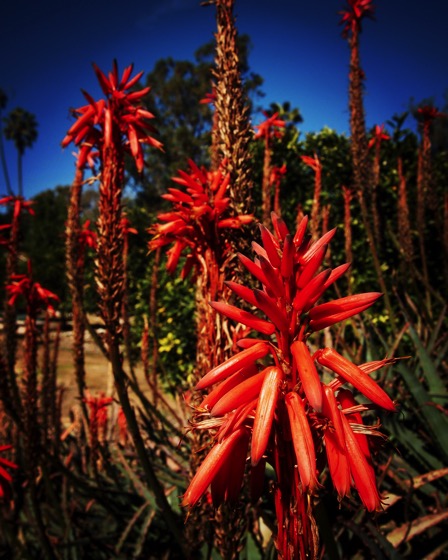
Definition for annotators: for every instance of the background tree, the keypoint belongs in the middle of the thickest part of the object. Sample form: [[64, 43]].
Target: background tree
[[3, 103], [21, 128]]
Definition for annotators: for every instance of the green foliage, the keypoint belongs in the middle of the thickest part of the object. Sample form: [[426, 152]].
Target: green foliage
[[44, 239]]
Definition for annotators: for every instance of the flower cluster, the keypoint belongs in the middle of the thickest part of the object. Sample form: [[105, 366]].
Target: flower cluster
[[35, 295], [19, 204], [355, 12], [270, 128], [98, 418], [271, 394], [277, 174], [197, 216], [121, 113], [378, 136]]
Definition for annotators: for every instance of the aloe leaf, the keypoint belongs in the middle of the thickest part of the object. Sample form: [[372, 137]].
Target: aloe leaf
[[130, 525], [435, 383], [143, 534], [436, 330], [414, 446], [436, 421]]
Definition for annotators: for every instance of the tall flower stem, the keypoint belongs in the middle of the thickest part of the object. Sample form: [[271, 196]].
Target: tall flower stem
[[404, 226], [75, 276], [266, 194], [359, 145], [110, 284], [232, 109]]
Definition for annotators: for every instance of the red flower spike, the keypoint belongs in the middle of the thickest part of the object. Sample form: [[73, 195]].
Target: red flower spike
[[226, 484], [312, 162], [269, 404], [355, 12], [241, 360], [210, 467], [378, 136], [239, 395], [269, 128], [302, 440], [264, 415], [331, 359], [100, 123], [308, 375], [197, 209]]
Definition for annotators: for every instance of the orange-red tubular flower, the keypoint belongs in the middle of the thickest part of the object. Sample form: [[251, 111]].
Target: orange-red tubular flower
[[362, 472], [243, 317], [246, 391], [272, 388], [226, 485], [331, 359], [264, 416], [338, 464], [241, 360], [327, 314], [225, 386], [211, 466], [302, 440], [308, 374]]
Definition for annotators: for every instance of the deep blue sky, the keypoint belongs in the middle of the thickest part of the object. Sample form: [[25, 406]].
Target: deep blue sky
[[47, 47]]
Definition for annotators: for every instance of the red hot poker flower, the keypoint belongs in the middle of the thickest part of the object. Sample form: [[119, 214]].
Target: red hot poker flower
[[19, 204], [355, 12], [378, 136], [199, 211], [270, 127], [87, 237], [35, 295], [272, 388], [121, 113]]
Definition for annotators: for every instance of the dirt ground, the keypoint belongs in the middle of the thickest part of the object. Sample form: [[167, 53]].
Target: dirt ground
[[98, 372]]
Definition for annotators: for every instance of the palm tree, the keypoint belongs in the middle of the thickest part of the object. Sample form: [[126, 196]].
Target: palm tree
[[21, 128], [3, 103]]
